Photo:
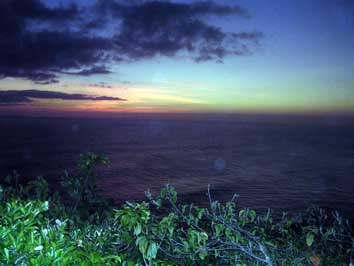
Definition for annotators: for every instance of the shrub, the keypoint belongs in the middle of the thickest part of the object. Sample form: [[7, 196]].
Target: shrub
[[82, 188], [37, 228]]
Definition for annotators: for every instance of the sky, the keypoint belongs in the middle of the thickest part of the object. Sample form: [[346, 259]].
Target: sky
[[251, 56]]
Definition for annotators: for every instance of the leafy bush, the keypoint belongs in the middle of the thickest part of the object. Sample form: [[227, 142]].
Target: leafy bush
[[82, 188], [37, 228]]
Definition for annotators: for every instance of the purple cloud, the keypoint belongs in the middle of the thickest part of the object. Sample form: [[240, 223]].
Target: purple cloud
[[41, 43], [24, 96]]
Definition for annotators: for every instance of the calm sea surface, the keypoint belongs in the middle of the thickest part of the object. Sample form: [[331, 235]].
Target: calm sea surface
[[287, 163]]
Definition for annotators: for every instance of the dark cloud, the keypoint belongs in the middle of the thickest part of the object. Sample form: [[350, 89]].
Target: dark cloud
[[167, 9], [24, 96], [34, 48], [166, 28], [41, 56], [95, 70], [41, 43], [15, 16], [34, 9], [100, 85]]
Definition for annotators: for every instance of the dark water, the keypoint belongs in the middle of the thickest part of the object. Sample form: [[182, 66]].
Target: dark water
[[278, 162]]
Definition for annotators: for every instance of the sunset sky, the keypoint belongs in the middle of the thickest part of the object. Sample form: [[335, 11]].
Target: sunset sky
[[177, 56]]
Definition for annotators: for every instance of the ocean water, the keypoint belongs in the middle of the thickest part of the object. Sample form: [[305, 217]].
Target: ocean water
[[281, 162]]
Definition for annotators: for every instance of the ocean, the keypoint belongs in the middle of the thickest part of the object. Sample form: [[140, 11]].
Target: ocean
[[281, 162]]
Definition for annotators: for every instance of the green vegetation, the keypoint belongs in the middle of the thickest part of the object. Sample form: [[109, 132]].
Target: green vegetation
[[38, 228]]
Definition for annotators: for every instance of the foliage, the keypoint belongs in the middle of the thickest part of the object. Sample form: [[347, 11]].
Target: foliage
[[82, 187], [37, 228]]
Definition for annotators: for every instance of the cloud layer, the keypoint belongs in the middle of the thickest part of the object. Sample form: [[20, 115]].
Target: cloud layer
[[24, 96], [40, 43]]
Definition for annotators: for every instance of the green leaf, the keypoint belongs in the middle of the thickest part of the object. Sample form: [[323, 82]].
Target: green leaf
[[131, 263], [203, 254], [152, 250], [6, 251], [309, 239], [142, 242], [114, 258], [252, 214], [137, 229]]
